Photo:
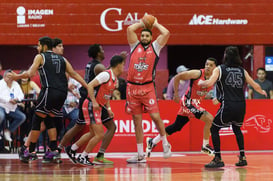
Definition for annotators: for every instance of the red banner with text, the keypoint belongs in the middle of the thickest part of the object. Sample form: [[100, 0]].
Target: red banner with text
[[190, 22], [257, 128]]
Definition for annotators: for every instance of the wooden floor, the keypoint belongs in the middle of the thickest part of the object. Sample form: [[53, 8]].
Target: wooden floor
[[181, 166]]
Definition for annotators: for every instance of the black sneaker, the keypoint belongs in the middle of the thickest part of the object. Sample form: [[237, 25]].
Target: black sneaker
[[26, 157], [84, 161], [242, 161], [71, 154], [215, 163], [150, 146], [207, 150], [4, 150]]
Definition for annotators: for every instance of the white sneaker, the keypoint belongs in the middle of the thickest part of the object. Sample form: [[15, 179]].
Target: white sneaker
[[167, 150], [7, 135], [137, 159]]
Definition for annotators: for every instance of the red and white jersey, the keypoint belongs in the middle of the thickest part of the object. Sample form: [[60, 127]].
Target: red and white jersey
[[195, 91], [104, 91], [142, 65]]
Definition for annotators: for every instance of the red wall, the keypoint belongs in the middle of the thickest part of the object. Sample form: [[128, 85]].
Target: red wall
[[189, 22], [257, 128]]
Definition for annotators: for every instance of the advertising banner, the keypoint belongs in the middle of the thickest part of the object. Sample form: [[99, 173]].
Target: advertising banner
[[214, 22], [257, 128]]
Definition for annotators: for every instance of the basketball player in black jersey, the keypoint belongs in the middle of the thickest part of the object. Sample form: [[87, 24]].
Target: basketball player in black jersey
[[52, 69], [93, 68], [230, 77]]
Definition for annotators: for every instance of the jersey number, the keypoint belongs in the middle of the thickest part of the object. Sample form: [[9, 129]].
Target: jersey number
[[57, 63], [234, 79]]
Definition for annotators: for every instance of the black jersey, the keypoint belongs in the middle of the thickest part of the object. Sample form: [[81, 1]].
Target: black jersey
[[89, 75], [231, 83], [52, 72]]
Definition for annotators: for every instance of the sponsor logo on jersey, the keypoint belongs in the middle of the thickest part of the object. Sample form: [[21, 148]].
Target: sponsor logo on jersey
[[141, 66]]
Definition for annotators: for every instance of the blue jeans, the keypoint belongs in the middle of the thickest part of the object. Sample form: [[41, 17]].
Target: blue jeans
[[72, 116], [17, 118]]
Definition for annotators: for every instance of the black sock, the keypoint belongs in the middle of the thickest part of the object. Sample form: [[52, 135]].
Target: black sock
[[100, 154], [216, 140], [32, 147], [53, 145]]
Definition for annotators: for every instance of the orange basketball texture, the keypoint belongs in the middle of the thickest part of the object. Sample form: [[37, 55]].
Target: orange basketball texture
[[148, 21]]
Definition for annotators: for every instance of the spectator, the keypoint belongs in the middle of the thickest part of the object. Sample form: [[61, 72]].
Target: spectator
[[122, 84], [70, 108], [183, 84], [10, 94], [116, 95], [265, 85], [1, 70], [30, 90]]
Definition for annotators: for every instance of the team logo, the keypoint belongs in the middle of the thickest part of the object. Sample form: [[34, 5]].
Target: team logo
[[141, 66], [260, 122]]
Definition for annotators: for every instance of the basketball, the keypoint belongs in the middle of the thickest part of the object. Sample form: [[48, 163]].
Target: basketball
[[148, 21]]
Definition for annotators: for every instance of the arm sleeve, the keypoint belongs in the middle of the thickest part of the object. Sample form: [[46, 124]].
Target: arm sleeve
[[157, 47], [170, 90], [103, 77]]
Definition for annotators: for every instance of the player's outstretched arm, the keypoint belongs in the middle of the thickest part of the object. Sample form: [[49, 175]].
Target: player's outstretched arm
[[163, 38], [131, 32], [253, 84], [72, 73], [211, 81]]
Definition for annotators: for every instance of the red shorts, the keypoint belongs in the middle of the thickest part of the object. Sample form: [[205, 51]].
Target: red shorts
[[91, 116], [141, 99], [190, 108]]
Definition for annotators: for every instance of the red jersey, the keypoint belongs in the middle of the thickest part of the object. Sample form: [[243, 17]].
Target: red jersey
[[195, 91], [104, 91], [142, 65]]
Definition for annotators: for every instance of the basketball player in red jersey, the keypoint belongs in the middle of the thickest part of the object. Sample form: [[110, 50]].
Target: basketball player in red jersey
[[141, 95], [190, 105], [96, 107]]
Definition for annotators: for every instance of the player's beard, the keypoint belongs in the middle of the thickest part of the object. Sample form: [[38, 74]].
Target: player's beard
[[145, 44]]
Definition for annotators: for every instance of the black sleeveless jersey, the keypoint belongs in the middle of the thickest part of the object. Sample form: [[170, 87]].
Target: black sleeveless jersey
[[230, 85], [52, 72], [89, 75]]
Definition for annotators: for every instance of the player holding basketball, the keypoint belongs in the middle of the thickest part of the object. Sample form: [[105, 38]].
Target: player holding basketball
[[230, 78], [141, 95], [190, 105]]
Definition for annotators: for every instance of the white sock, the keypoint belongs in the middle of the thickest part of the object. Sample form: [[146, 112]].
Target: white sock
[[84, 154], [164, 140], [205, 142], [157, 139], [140, 149], [74, 147]]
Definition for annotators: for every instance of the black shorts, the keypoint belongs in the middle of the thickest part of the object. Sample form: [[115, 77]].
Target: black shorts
[[230, 113], [51, 100], [81, 121]]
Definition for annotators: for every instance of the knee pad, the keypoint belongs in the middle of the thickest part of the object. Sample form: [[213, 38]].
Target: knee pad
[[36, 122], [49, 122], [179, 123]]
